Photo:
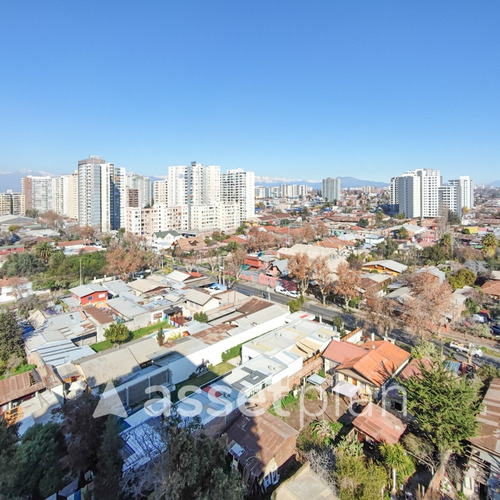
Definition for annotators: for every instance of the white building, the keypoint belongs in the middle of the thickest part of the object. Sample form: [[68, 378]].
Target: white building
[[160, 192], [65, 195], [37, 191], [416, 193], [238, 186], [138, 190], [331, 189], [147, 221], [222, 216]]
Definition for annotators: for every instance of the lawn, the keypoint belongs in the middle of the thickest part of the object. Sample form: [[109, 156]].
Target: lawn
[[214, 372], [19, 369], [136, 334]]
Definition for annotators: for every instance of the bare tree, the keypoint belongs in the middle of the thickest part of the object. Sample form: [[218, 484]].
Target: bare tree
[[300, 267], [235, 261], [323, 276], [425, 312], [348, 282]]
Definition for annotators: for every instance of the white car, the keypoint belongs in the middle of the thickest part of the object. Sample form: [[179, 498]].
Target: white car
[[280, 289], [293, 294]]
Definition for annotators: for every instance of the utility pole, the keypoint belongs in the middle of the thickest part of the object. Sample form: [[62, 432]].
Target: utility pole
[[81, 281]]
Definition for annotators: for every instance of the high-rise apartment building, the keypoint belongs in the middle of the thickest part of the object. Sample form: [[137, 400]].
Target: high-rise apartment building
[[65, 195], [11, 203], [37, 191], [101, 194], [331, 189], [138, 190], [238, 186], [457, 195], [160, 192], [416, 193]]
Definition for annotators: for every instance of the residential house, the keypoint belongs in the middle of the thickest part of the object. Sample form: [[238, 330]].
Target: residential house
[[386, 266], [8, 249], [200, 302], [483, 472], [89, 295], [366, 371], [260, 446], [492, 288], [376, 425]]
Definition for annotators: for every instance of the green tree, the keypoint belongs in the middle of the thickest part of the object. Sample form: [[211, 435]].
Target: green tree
[[23, 264], [241, 230], [490, 243], [109, 462], [454, 219], [434, 254], [14, 228], [433, 399], [325, 431], [397, 461], [232, 246], [11, 340], [201, 317], [359, 480], [83, 433], [44, 250], [402, 233], [38, 461], [8, 448], [195, 465], [424, 349], [350, 446], [387, 248], [117, 333], [363, 222], [463, 277]]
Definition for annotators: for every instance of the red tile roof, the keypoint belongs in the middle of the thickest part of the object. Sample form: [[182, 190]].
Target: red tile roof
[[379, 424], [342, 351], [491, 287]]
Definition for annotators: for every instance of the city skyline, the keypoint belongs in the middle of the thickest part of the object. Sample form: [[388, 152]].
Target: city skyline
[[331, 89]]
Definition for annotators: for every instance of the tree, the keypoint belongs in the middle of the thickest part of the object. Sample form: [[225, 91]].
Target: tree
[[308, 233], [83, 433], [8, 448], [51, 219], [381, 313], [235, 261], [11, 340], [300, 267], [241, 230], [445, 407], [201, 317], [355, 260], [424, 349], [22, 264], [37, 462], [44, 250], [453, 218], [360, 480], [348, 282], [426, 311], [13, 228], [363, 222], [463, 277], [325, 431], [322, 229], [434, 254], [490, 243], [88, 233], [397, 461], [402, 233], [126, 256], [109, 462], [195, 466], [422, 450], [323, 276], [32, 213], [117, 333], [387, 248], [379, 217]]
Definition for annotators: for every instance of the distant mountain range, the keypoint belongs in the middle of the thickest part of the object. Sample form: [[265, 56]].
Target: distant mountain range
[[12, 180], [345, 182]]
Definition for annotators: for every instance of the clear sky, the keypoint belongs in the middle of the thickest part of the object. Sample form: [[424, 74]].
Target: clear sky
[[294, 89]]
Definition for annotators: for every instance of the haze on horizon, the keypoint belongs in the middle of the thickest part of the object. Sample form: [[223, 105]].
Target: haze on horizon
[[285, 88]]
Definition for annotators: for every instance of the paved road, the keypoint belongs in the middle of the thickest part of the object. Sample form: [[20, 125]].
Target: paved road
[[327, 313]]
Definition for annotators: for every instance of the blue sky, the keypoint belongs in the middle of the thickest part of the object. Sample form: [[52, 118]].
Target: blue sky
[[293, 89]]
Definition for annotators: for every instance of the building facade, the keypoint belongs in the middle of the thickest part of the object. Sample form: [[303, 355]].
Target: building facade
[[331, 189], [37, 191]]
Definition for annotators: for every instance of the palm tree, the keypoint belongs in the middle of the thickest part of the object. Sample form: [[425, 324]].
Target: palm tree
[[44, 250], [325, 431], [396, 459]]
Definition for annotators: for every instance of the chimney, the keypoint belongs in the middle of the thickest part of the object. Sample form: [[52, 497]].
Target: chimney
[[373, 336]]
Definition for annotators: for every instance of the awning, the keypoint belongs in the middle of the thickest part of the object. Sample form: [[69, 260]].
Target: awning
[[316, 379], [346, 389]]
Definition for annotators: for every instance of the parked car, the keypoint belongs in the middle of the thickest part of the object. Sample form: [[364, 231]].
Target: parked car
[[466, 348], [280, 289], [293, 294], [495, 329], [479, 318]]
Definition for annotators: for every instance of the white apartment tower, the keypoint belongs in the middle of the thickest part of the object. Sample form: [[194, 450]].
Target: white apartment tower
[[238, 186], [138, 190], [37, 191], [457, 195], [101, 194], [65, 195], [160, 192], [331, 189], [416, 193]]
